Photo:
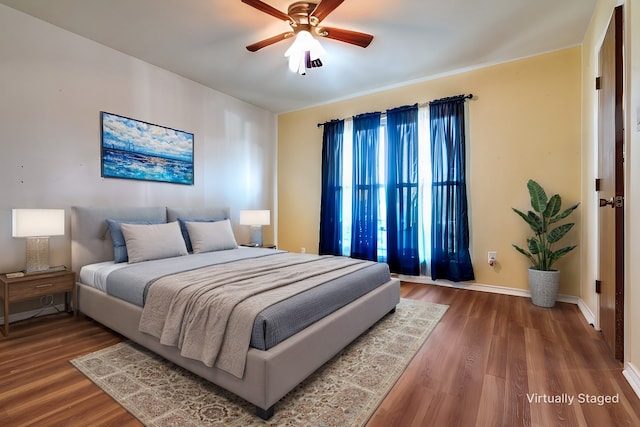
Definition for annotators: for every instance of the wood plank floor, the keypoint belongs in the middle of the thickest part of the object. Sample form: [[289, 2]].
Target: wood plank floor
[[485, 357]]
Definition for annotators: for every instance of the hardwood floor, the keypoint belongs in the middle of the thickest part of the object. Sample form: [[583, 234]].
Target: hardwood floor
[[485, 357], [490, 351]]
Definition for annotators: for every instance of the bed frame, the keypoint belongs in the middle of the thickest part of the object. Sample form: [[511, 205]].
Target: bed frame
[[269, 375]]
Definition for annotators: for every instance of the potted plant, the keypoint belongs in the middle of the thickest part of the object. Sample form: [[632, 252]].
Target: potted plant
[[543, 280]]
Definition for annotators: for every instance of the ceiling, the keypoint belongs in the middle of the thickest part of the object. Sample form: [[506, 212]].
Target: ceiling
[[204, 40]]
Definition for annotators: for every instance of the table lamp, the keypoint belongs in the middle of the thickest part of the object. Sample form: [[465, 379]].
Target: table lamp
[[255, 219], [37, 225]]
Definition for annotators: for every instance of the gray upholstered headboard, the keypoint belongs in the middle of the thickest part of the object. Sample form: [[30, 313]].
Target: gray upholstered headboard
[[91, 242]]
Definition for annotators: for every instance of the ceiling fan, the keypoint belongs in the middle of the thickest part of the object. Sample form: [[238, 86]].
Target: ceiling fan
[[306, 16]]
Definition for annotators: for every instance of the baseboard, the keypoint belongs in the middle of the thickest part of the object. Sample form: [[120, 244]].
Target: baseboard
[[33, 313], [586, 312], [632, 375], [465, 285], [481, 287]]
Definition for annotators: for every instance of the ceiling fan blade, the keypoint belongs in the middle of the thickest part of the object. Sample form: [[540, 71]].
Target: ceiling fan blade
[[263, 7], [268, 42], [347, 36], [325, 8]]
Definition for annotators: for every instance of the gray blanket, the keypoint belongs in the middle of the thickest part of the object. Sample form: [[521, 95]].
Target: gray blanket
[[208, 313]]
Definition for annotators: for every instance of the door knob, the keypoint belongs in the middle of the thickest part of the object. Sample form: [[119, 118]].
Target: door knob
[[605, 202], [614, 202]]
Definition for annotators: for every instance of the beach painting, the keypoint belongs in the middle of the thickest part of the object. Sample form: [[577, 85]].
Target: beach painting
[[133, 149]]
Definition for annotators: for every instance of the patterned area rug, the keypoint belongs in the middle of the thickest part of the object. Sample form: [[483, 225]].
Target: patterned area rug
[[344, 392]]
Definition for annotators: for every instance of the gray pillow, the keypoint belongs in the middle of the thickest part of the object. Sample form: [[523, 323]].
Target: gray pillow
[[185, 232], [154, 241], [211, 236], [119, 245]]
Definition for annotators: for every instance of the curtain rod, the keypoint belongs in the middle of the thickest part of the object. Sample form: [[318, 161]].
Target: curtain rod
[[435, 101], [450, 98]]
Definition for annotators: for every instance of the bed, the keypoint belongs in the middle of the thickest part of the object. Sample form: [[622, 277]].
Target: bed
[[269, 371]]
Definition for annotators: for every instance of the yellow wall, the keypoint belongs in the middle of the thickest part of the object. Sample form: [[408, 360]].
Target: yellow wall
[[524, 122]]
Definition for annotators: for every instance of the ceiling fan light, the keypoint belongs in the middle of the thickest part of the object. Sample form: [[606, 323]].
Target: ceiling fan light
[[300, 43], [299, 66], [297, 52], [297, 61], [316, 50]]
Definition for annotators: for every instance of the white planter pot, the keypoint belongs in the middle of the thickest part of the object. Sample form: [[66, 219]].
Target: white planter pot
[[543, 286]]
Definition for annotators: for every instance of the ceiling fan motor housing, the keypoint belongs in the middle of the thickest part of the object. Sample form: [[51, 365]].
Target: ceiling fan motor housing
[[306, 16]]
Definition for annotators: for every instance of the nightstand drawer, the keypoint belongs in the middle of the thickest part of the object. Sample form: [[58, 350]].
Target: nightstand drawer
[[42, 286]]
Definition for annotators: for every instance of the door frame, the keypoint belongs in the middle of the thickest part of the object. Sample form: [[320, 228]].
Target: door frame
[[620, 187]]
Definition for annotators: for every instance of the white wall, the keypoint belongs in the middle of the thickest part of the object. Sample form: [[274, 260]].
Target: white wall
[[53, 84]]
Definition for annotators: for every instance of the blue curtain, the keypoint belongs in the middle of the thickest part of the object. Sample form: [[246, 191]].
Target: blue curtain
[[402, 190], [450, 258], [366, 186], [331, 195]]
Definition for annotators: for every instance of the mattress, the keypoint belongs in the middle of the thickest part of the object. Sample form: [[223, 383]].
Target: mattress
[[130, 282], [95, 275]]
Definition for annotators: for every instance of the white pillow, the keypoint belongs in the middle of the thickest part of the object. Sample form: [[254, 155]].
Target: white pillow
[[153, 241], [211, 236]]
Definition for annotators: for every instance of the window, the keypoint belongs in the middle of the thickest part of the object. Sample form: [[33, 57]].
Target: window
[[347, 190], [378, 199], [423, 189]]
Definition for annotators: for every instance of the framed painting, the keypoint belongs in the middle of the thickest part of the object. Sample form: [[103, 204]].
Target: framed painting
[[133, 149]]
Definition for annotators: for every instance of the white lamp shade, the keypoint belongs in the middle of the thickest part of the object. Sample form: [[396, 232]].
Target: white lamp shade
[[255, 217], [38, 222]]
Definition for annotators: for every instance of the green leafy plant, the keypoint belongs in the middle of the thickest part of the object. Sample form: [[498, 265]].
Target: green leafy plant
[[546, 211]]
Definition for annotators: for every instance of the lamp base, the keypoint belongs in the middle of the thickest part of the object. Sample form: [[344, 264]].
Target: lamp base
[[37, 254], [256, 235]]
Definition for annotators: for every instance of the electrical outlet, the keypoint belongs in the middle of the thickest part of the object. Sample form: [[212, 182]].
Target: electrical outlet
[[492, 257]]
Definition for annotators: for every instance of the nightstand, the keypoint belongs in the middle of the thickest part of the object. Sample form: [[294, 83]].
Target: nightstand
[[36, 285]]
